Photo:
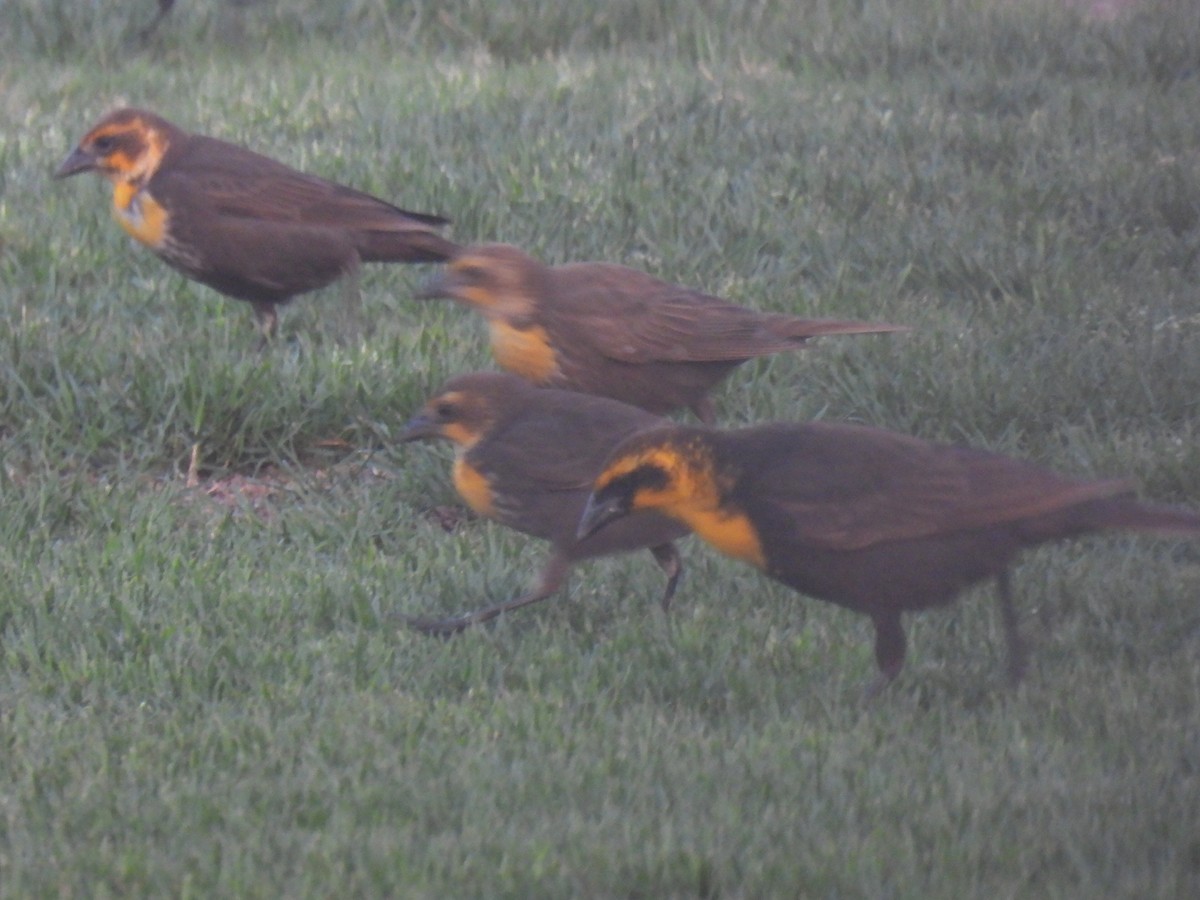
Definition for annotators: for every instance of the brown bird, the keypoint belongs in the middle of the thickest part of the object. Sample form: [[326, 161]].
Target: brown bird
[[616, 332], [526, 457], [241, 223], [871, 520]]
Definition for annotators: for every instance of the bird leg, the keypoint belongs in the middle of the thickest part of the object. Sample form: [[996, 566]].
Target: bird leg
[[549, 581], [667, 557], [266, 320], [350, 320], [1018, 656], [889, 651]]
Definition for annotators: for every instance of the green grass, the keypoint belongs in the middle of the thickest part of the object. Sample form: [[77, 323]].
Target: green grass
[[204, 691]]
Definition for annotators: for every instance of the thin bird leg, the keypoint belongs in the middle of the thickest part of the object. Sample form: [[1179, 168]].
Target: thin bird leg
[[266, 320], [549, 581], [1018, 655], [889, 651], [350, 318], [669, 561]]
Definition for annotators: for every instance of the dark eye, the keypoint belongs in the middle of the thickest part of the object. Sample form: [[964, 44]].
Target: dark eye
[[471, 273], [106, 143], [444, 410]]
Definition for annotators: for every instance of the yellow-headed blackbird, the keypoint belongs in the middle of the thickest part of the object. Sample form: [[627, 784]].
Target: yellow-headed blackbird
[[871, 520], [239, 222], [616, 332], [526, 456]]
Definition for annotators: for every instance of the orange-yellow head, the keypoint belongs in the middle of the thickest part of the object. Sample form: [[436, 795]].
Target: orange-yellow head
[[126, 146], [675, 471], [499, 280]]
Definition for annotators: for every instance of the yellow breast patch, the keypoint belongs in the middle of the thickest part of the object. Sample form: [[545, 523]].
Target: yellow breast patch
[[732, 534], [523, 351], [472, 485], [139, 214]]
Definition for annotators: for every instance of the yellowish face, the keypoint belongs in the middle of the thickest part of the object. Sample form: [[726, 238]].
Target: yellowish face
[[679, 479], [129, 150], [494, 280], [463, 418], [458, 417], [658, 476]]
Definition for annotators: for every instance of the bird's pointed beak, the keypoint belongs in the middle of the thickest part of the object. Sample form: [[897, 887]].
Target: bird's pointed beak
[[79, 161], [419, 427], [598, 513]]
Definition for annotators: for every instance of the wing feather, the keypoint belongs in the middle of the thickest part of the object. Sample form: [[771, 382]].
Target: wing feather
[[632, 317], [232, 181], [847, 487]]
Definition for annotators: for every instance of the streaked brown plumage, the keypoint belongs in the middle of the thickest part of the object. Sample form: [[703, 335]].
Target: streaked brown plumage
[[239, 222], [526, 457], [871, 520], [616, 332]]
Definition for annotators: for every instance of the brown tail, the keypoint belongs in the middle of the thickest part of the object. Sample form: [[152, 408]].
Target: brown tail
[[417, 245], [795, 328], [1127, 513], [1119, 512]]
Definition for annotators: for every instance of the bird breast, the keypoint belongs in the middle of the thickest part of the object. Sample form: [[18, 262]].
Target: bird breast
[[142, 217], [524, 351], [731, 533], [472, 485]]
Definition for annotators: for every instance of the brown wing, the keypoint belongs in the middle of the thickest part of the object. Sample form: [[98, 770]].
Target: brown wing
[[846, 487], [229, 180], [632, 317], [558, 441], [542, 461], [259, 261]]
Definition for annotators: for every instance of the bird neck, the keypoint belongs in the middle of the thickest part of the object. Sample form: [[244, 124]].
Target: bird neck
[[724, 526], [143, 218], [698, 494], [524, 351], [472, 485]]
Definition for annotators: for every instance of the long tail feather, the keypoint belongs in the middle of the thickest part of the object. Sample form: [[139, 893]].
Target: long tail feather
[[412, 246], [791, 327]]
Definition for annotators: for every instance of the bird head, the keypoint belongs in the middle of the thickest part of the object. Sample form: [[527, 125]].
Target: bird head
[[664, 469], [465, 409], [499, 280], [125, 146]]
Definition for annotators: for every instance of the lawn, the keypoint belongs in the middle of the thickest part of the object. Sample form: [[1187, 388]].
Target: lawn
[[204, 688]]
